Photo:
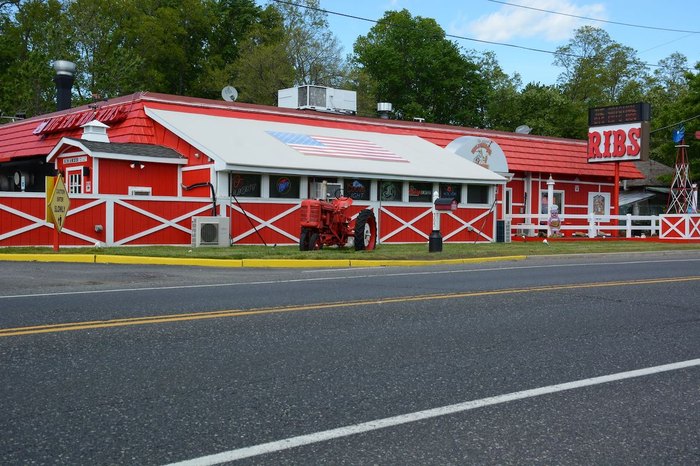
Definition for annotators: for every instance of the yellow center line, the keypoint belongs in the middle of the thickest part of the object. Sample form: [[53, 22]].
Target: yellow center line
[[74, 326]]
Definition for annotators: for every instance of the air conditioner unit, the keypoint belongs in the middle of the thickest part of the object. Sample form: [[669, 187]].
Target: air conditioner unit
[[503, 231], [210, 231], [321, 98]]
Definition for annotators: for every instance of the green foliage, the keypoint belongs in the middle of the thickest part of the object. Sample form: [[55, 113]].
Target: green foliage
[[32, 36], [420, 72], [597, 70], [314, 51], [98, 32]]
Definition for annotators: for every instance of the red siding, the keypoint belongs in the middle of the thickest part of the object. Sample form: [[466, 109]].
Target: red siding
[[115, 177]]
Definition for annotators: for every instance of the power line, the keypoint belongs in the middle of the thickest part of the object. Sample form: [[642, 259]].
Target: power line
[[453, 36], [593, 19], [368, 20], [675, 124]]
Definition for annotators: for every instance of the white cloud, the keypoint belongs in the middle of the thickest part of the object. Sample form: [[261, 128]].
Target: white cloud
[[511, 22]]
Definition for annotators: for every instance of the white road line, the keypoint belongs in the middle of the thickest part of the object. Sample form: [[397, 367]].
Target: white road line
[[341, 277], [317, 437]]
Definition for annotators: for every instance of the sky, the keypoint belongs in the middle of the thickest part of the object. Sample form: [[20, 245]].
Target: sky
[[496, 21]]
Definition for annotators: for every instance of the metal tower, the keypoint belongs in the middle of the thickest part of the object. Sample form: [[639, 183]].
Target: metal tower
[[681, 195]]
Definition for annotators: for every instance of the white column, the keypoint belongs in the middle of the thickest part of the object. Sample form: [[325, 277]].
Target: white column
[[109, 222], [550, 201], [436, 214]]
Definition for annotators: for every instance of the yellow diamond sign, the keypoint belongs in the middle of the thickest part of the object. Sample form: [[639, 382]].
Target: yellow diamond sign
[[59, 204]]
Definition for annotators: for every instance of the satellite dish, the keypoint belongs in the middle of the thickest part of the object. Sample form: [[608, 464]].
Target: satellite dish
[[229, 93], [523, 129]]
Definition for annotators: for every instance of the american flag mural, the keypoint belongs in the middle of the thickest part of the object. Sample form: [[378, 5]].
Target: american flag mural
[[326, 146]]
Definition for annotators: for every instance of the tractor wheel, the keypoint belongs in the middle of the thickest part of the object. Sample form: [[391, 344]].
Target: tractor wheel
[[365, 231], [314, 241], [304, 239]]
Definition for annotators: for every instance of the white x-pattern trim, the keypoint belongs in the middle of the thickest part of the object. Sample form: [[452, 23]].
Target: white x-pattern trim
[[405, 224], [410, 224], [674, 224], [265, 223], [38, 223], [164, 223], [468, 225], [694, 226]]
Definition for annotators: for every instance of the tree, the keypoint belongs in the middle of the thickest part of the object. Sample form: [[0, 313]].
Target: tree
[[500, 102], [106, 66], [597, 70], [171, 37], [263, 66], [315, 52], [32, 37], [420, 72]]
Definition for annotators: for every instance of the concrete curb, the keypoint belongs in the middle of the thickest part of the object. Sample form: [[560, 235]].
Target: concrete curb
[[250, 263]]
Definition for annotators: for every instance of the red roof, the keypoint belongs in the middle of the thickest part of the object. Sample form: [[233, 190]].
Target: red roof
[[128, 123]]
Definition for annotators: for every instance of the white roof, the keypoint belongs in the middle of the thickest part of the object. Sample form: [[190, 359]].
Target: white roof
[[239, 144]]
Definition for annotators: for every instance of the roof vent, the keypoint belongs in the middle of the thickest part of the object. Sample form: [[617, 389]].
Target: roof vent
[[384, 109], [95, 131], [64, 83]]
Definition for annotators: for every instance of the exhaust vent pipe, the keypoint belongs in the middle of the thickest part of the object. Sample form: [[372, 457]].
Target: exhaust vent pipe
[[64, 83]]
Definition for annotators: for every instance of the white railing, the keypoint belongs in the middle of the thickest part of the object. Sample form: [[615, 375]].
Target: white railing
[[587, 225]]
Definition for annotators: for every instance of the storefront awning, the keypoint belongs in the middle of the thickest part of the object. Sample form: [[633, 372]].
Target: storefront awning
[[630, 197], [245, 145]]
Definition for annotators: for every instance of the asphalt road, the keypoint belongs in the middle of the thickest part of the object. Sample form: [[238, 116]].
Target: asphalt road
[[108, 364]]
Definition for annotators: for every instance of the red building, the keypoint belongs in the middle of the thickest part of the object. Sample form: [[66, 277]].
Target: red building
[[139, 167]]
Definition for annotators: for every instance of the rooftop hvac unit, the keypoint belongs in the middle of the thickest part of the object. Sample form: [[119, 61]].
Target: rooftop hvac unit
[[210, 231], [325, 99]]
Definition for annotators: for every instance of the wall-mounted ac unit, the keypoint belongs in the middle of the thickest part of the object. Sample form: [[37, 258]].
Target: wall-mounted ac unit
[[210, 231]]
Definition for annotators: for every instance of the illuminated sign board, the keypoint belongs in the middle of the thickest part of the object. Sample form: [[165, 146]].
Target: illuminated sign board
[[619, 133], [630, 113]]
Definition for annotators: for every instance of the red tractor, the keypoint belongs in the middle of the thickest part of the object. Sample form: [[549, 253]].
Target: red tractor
[[327, 224]]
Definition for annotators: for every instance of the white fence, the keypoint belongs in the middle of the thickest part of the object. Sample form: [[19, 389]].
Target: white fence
[[588, 225]]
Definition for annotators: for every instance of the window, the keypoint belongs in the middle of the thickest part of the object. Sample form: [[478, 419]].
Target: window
[[75, 181], [391, 191], [420, 192], [284, 187], [558, 199], [478, 194], [451, 191], [357, 189], [244, 185]]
